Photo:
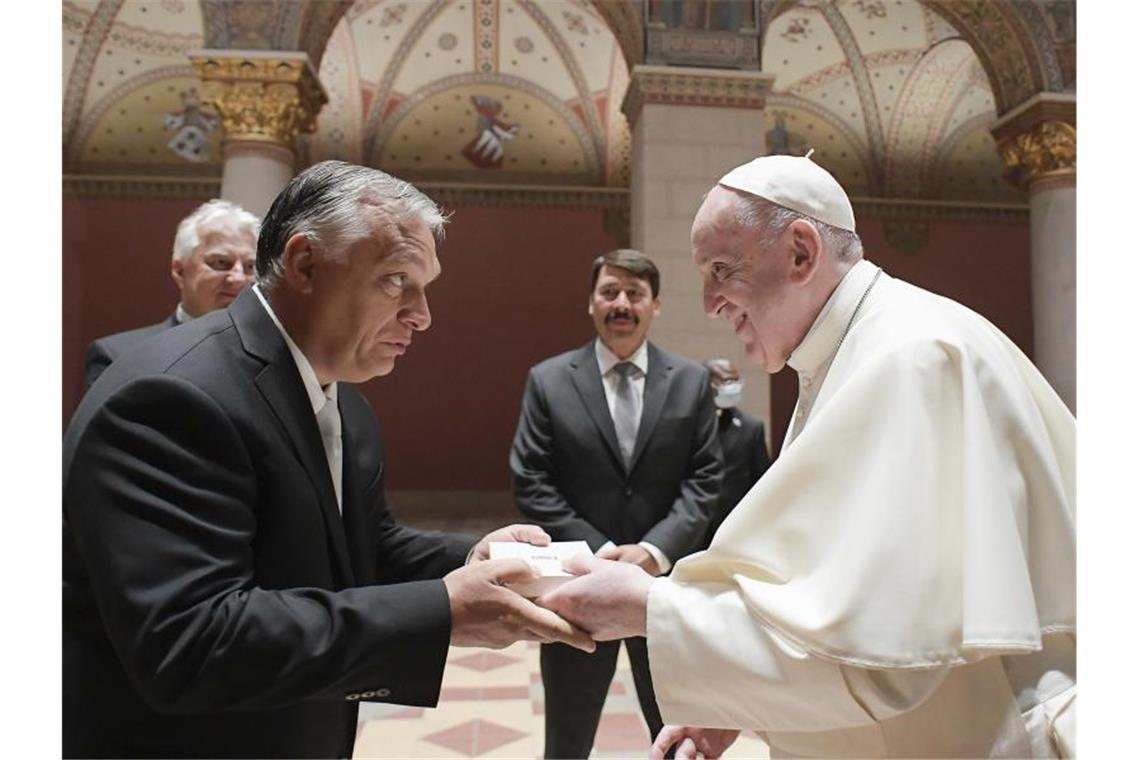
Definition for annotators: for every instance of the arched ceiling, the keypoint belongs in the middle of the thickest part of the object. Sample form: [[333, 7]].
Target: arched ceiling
[[890, 93], [511, 91], [891, 98]]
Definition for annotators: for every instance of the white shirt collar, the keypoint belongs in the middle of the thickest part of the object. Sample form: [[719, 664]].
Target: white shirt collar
[[607, 360], [823, 337], [180, 314], [318, 396]]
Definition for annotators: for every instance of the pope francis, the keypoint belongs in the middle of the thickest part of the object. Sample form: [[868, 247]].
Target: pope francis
[[901, 582]]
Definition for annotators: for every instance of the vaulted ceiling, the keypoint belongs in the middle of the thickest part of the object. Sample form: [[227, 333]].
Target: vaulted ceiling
[[891, 96]]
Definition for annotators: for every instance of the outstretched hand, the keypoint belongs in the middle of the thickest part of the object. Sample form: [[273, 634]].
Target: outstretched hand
[[608, 599], [529, 534], [693, 743], [484, 614]]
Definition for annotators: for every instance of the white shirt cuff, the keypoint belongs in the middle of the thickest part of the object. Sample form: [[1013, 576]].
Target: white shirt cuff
[[663, 563]]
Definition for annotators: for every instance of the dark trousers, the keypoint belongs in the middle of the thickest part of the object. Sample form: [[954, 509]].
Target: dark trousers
[[576, 684]]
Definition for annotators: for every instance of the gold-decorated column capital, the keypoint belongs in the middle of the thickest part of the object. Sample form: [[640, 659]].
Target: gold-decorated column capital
[[1038, 142], [262, 96], [683, 85]]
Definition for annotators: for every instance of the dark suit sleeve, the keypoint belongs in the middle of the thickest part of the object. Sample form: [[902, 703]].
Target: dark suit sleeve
[[159, 498], [759, 460], [408, 554], [535, 477], [683, 529], [97, 360]]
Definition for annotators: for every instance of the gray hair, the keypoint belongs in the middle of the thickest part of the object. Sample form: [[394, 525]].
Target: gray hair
[[187, 238], [771, 219], [324, 204]]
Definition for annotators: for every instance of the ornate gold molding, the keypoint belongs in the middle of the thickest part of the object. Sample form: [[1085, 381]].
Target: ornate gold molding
[[261, 96], [695, 87], [1038, 142]]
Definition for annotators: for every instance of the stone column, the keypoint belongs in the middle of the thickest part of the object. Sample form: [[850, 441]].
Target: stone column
[[1038, 142], [265, 98], [690, 126]]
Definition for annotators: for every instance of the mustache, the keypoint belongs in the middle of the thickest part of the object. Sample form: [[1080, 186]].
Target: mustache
[[622, 315]]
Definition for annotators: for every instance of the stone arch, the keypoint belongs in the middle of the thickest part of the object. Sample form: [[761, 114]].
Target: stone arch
[[624, 19], [1012, 44], [304, 25]]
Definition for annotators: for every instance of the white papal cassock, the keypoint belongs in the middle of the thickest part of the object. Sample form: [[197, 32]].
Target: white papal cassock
[[901, 582]]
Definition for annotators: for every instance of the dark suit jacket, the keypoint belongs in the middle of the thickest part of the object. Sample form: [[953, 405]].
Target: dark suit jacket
[[105, 350], [568, 472], [745, 460], [214, 601]]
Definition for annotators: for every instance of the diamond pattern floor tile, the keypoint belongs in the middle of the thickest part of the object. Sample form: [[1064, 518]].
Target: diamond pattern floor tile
[[475, 737]]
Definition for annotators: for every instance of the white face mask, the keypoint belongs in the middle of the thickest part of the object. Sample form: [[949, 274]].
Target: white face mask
[[729, 394]]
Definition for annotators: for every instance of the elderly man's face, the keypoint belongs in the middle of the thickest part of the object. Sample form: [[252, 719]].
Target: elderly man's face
[[744, 283], [215, 272], [366, 303]]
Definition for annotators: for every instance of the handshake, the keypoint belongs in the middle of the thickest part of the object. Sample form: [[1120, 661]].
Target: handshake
[[605, 600]]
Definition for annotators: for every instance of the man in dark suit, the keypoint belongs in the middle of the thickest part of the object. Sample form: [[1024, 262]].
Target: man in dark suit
[[212, 262], [742, 441], [234, 584], [616, 446]]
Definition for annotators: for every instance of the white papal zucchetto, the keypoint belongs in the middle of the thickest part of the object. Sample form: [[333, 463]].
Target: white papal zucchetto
[[796, 183]]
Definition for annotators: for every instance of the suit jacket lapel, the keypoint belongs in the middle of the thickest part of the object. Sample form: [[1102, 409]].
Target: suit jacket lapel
[[653, 400], [280, 383], [361, 549], [587, 379]]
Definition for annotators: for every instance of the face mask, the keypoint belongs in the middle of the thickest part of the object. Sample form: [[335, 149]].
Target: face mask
[[729, 394]]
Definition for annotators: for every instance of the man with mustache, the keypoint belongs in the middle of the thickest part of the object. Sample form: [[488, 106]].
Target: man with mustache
[[212, 262], [616, 446], [902, 580], [233, 582]]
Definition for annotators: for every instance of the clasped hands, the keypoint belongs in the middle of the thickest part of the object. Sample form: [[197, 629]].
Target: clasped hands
[[606, 601]]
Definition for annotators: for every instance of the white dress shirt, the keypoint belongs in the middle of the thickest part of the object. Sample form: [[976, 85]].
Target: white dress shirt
[[610, 380], [318, 397]]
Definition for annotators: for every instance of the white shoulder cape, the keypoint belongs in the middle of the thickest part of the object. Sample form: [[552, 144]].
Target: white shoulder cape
[[925, 515]]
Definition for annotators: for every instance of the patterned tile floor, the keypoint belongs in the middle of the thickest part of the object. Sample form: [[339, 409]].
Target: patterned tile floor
[[491, 706]]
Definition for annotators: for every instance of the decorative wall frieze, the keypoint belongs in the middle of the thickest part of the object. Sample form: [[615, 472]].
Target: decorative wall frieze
[[1038, 142], [615, 200], [134, 186], [470, 194], [929, 210], [261, 96], [694, 87]]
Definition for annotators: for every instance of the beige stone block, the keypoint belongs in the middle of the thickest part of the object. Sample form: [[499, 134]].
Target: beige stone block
[[699, 124], [685, 196], [655, 199], [719, 159], [675, 161], [663, 236]]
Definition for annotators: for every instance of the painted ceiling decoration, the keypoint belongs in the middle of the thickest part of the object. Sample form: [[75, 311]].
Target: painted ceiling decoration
[[896, 96]]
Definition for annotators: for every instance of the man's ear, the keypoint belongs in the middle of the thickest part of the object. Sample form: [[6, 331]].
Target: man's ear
[[590, 305], [176, 265], [657, 307], [807, 250], [297, 263]]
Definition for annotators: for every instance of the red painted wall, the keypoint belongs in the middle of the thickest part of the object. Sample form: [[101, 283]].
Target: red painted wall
[[983, 265], [116, 273], [514, 290]]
